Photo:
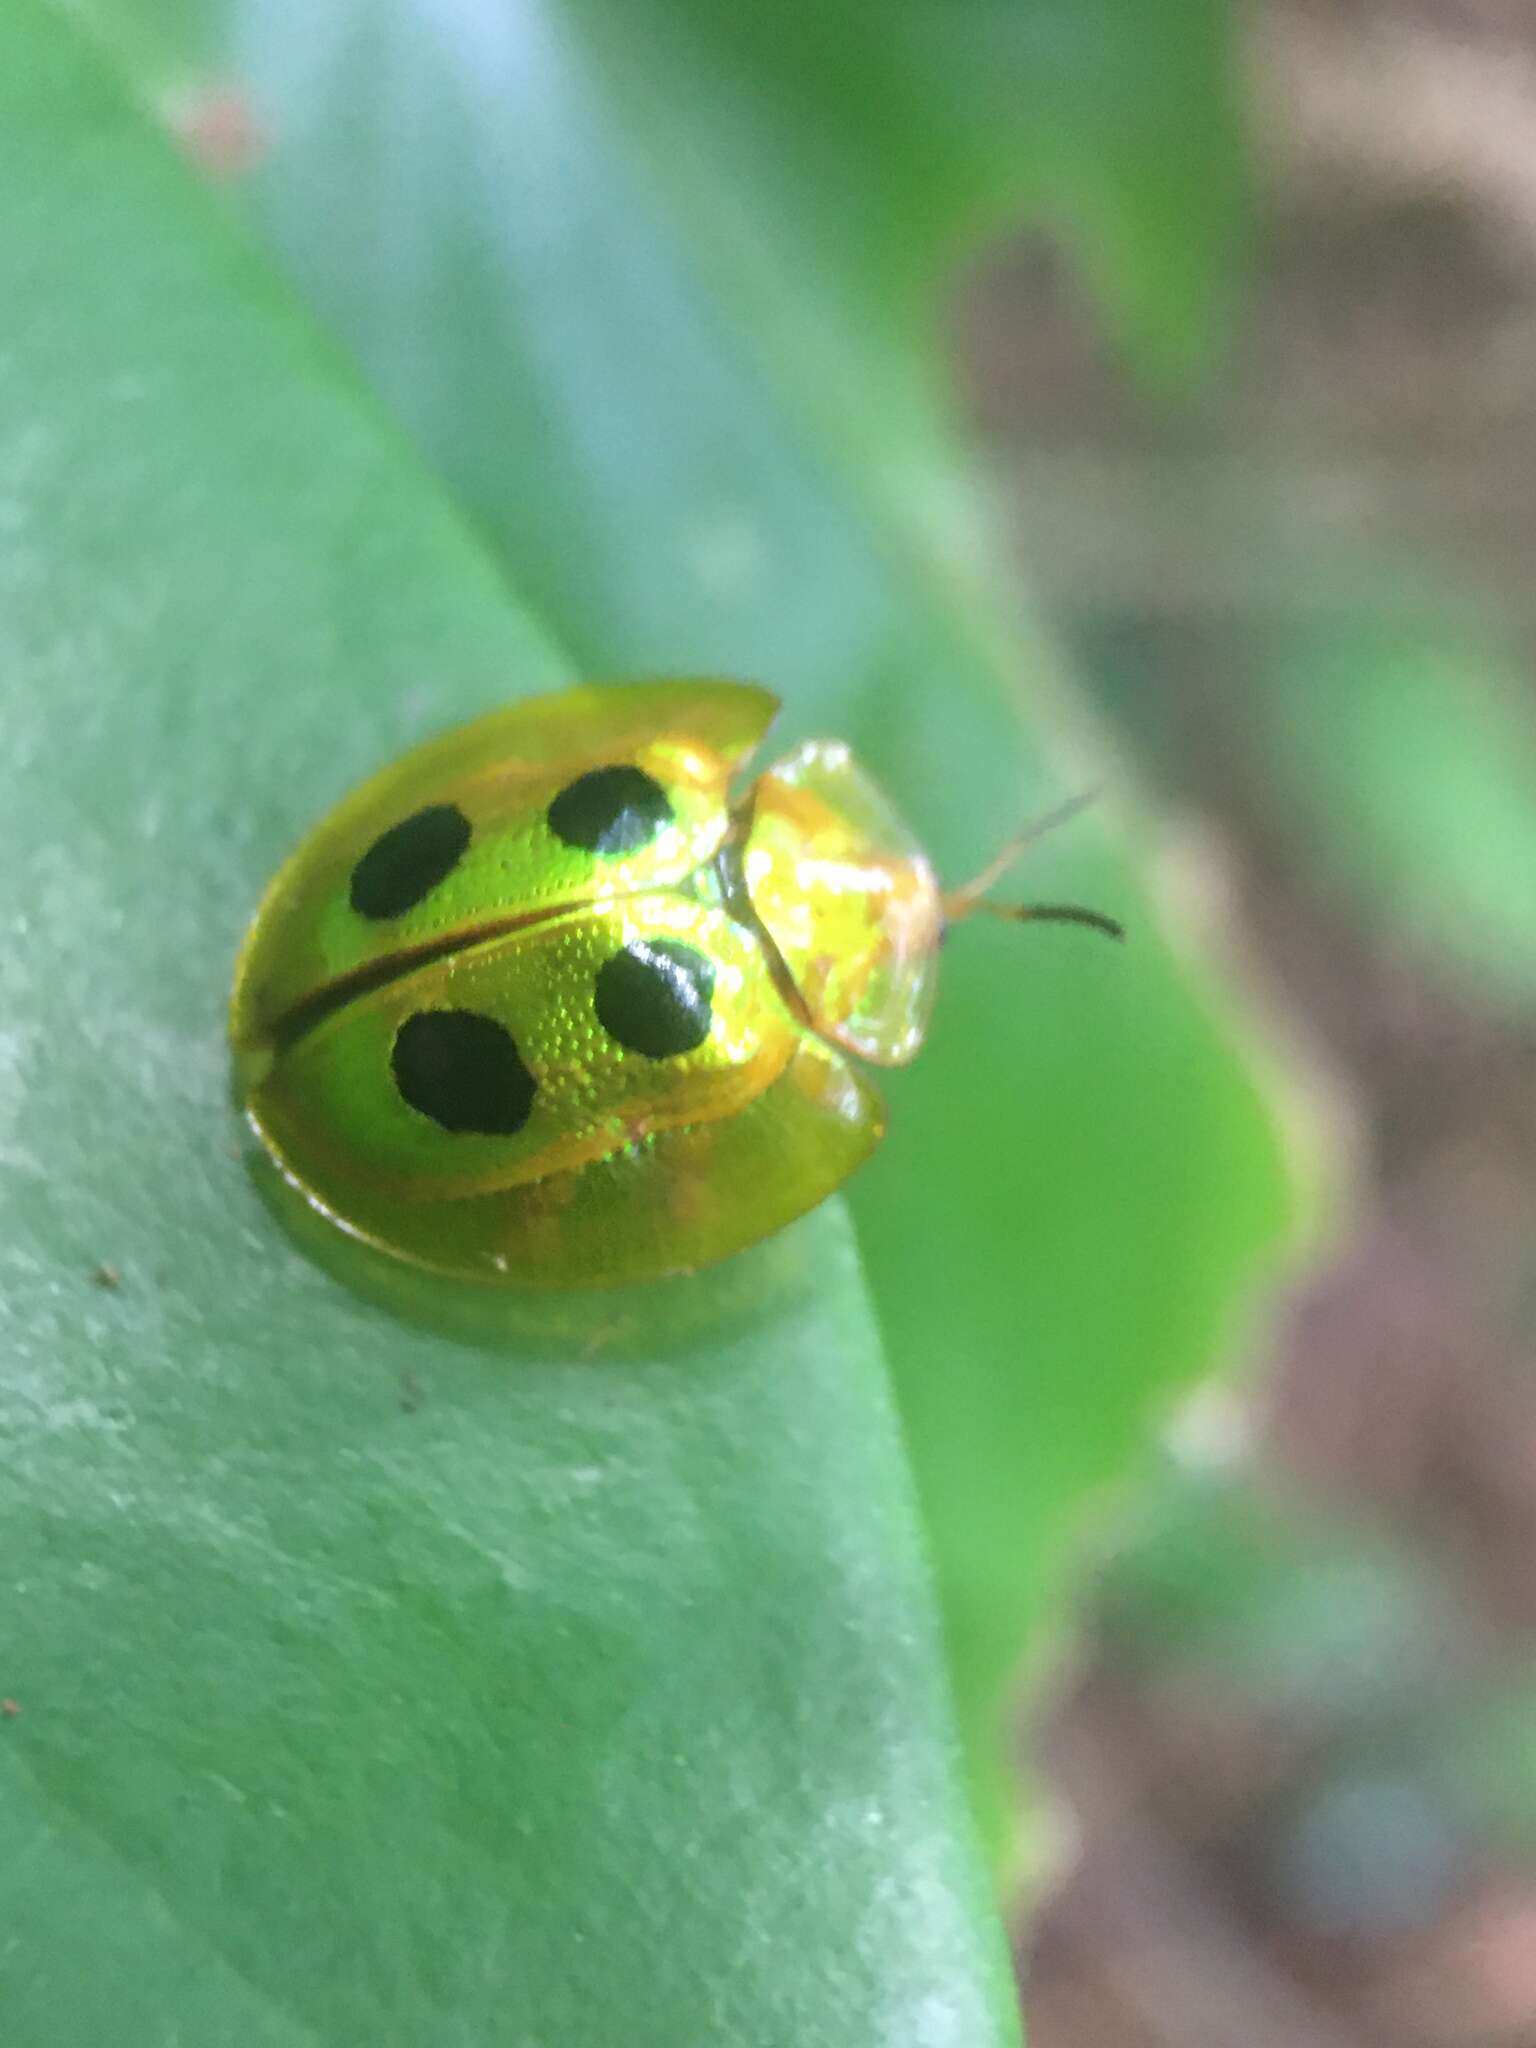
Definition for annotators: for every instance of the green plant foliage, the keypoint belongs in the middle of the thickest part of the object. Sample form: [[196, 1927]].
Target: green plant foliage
[[839, 161], [1390, 726], [1399, 735], [657, 302], [580, 253], [364, 1683]]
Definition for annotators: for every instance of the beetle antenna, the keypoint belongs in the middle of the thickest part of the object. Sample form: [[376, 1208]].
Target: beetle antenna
[[971, 897], [1051, 913]]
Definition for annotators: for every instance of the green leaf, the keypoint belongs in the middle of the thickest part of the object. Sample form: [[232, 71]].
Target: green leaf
[[654, 290], [368, 1681], [840, 162], [1398, 734], [1391, 721]]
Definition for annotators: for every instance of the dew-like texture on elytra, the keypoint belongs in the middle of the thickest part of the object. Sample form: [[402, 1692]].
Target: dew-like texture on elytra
[[629, 1162], [406, 863], [610, 810], [675, 747], [575, 1059], [655, 997], [464, 1071]]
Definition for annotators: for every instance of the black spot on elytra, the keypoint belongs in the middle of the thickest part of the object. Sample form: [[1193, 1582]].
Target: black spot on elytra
[[408, 861], [654, 997], [610, 810], [464, 1071]]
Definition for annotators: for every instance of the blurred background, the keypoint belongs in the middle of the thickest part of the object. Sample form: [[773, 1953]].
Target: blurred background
[[1296, 1750], [643, 283]]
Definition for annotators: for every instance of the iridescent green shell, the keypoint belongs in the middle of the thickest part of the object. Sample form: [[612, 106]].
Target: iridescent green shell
[[541, 1005]]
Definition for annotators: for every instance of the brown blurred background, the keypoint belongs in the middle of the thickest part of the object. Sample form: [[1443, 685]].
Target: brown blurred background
[[1296, 1754]]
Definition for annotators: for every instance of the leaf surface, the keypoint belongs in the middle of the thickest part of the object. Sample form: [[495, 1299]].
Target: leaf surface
[[374, 1672]]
